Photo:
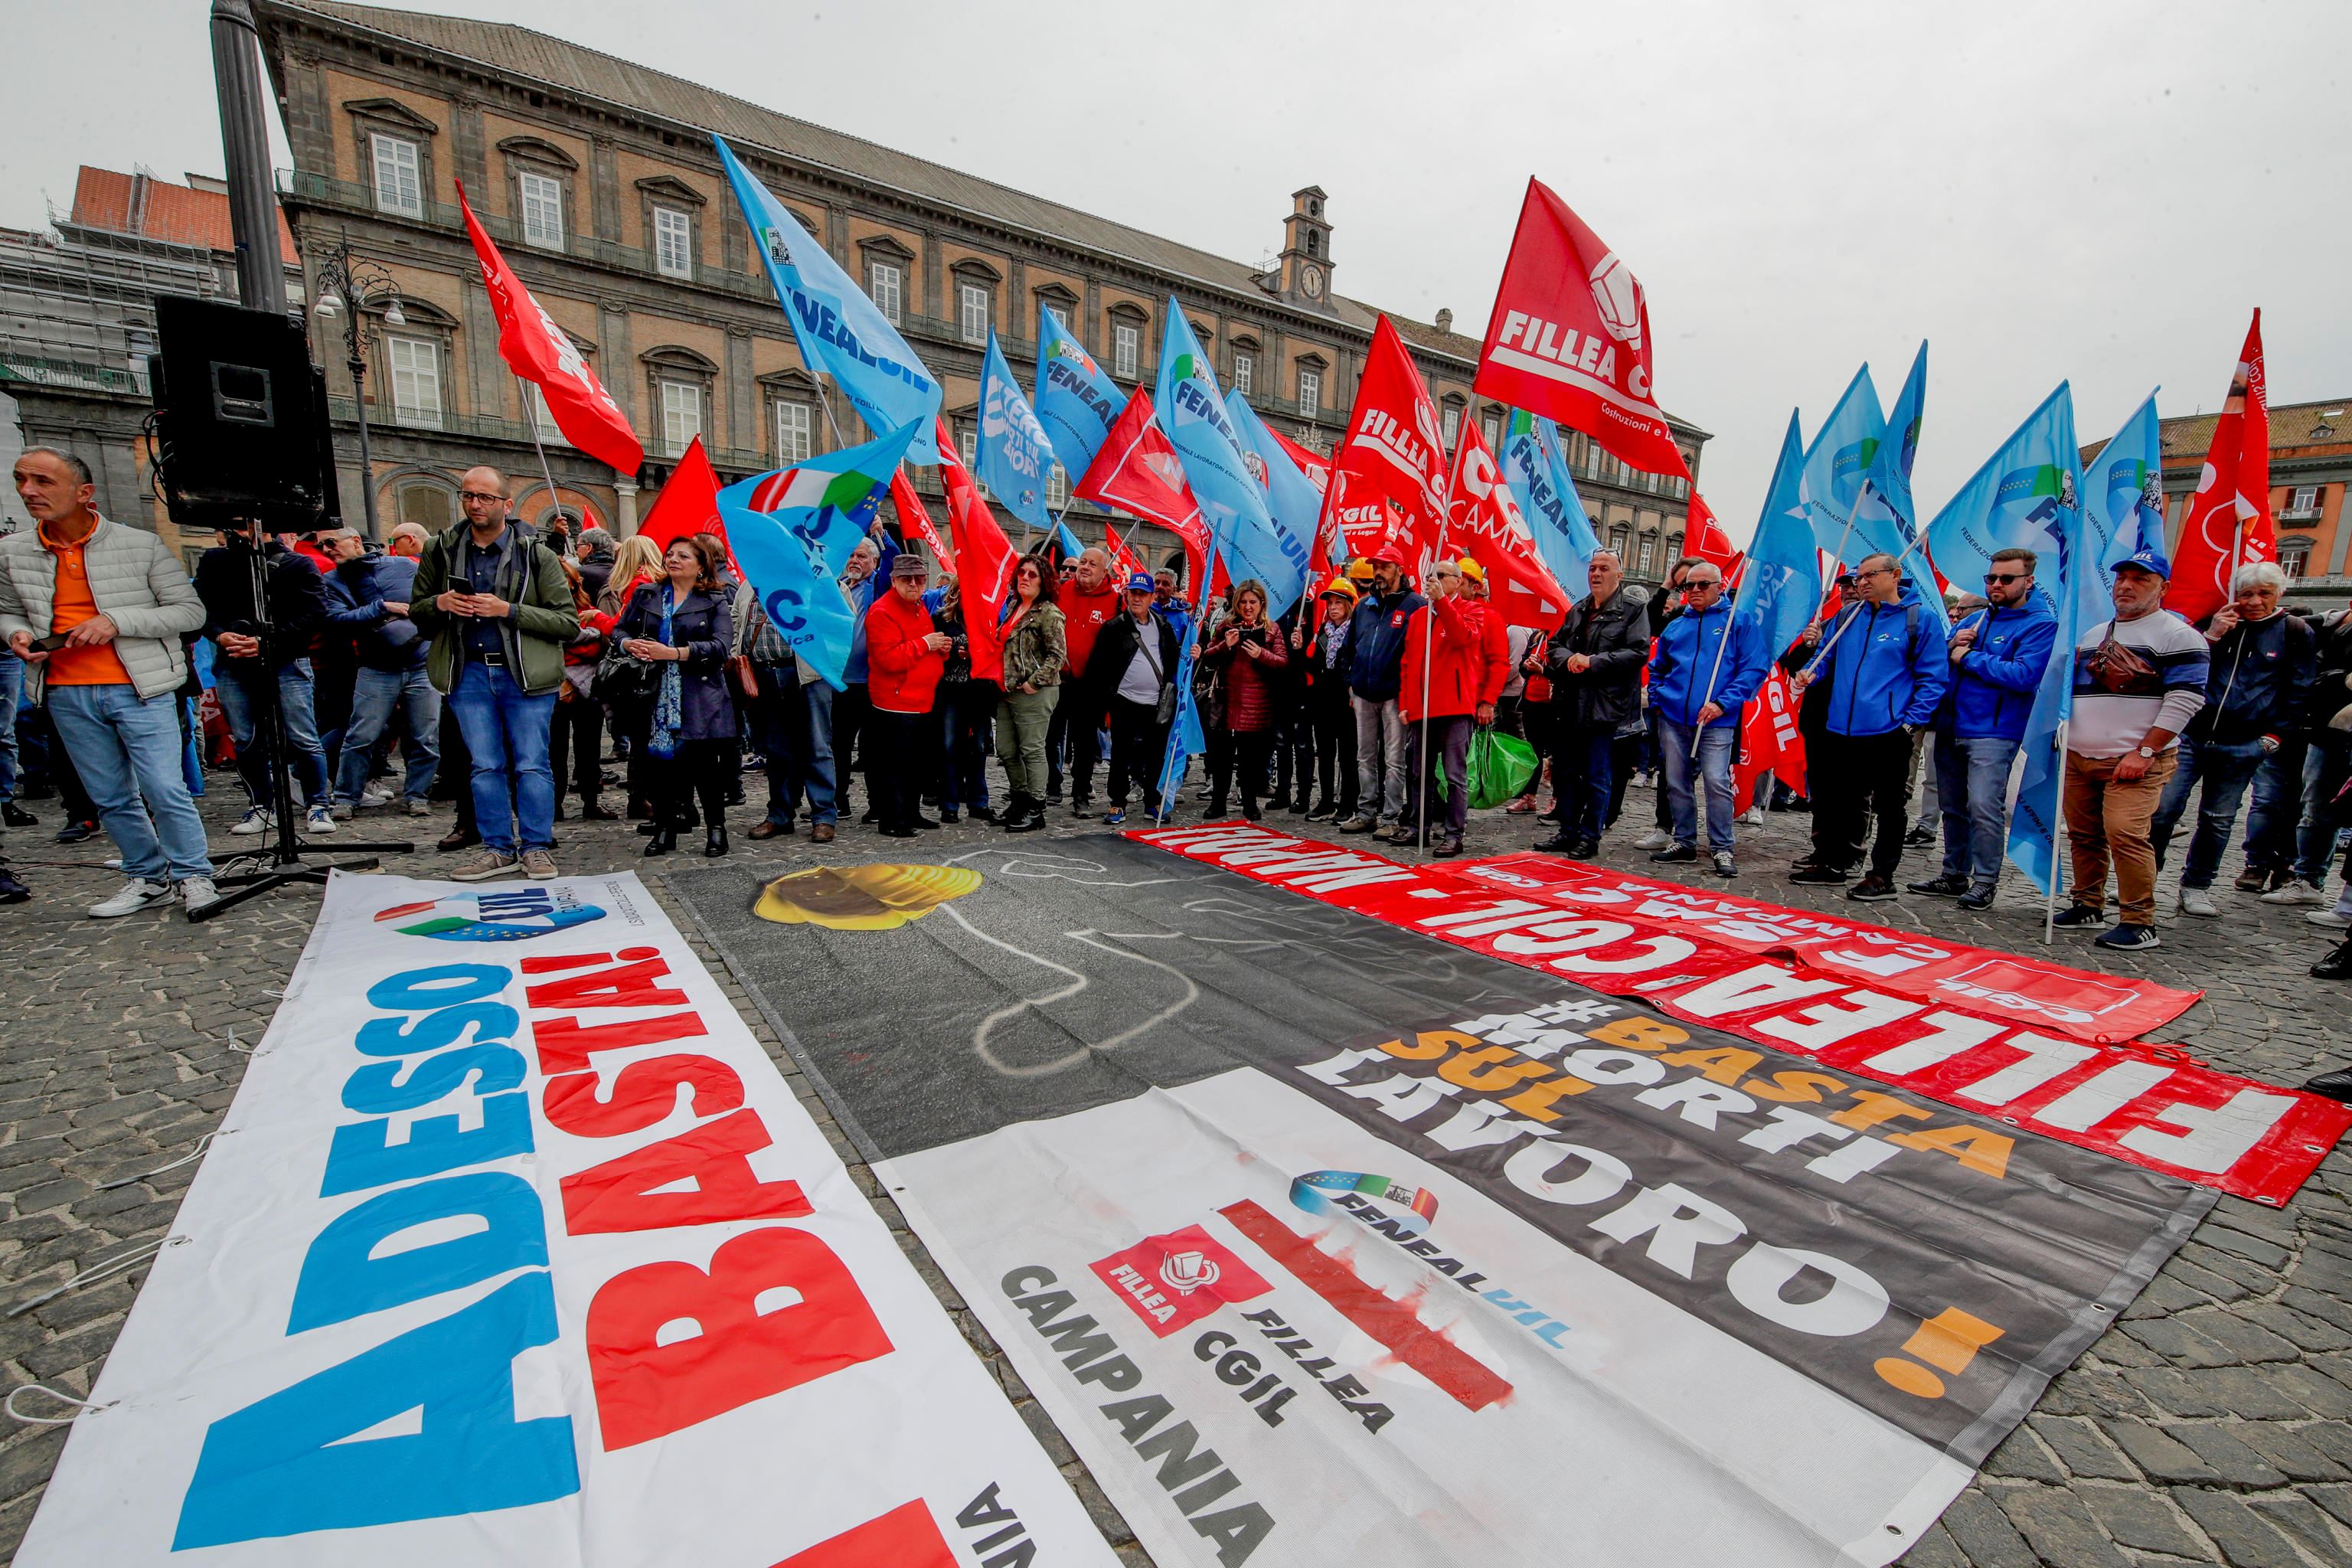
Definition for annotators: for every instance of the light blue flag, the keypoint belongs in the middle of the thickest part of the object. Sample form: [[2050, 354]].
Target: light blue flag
[[1185, 738], [1837, 464], [839, 330], [1012, 452], [1884, 516], [1537, 471], [792, 531], [1295, 505], [2027, 496], [1216, 463], [2123, 507], [1066, 542], [1077, 403], [1780, 586]]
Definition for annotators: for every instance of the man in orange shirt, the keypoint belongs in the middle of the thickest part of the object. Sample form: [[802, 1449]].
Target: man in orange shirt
[[97, 610]]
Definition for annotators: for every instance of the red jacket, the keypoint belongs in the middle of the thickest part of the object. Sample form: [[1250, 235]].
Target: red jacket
[[1471, 664], [1084, 615], [901, 673], [1252, 689]]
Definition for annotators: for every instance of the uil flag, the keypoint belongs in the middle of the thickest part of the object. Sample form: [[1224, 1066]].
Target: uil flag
[[1486, 521], [1884, 516], [915, 519], [535, 349], [1836, 467], [2025, 497], [1394, 450], [688, 504], [1569, 337], [1781, 588], [987, 556], [1138, 472], [1537, 471], [2227, 523], [1291, 500], [838, 329], [1014, 454], [1216, 463], [791, 529], [2123, 507], [1077, 403]]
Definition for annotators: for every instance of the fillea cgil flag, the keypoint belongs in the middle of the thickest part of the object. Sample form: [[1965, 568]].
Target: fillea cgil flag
[[1569, 338]]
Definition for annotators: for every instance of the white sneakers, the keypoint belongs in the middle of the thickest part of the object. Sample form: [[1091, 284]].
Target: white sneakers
[[2328, 917], [1752, 817], [2197, 902], [2297, 891], [1656, 838], [137, 894], [378, 793], [197, 892], [254, 820], [320, 820]]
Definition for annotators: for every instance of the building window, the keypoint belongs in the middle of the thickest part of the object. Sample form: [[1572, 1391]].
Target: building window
[[542, 210], [967, 444], [885, 282], [673, 243], [1649, 552], [795, 433], [1674, 547], [1058, 489], [681, 405], [2304, 502], [972, 315], [427, 505], [397, 187], [1124, 339], [1490, 424], [1453, 420], [1310, 393], [2295, 556], [415, 381], [1620, 536], [1244, 372]]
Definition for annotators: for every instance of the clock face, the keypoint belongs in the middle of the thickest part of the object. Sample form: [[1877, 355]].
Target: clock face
[[1310, 282]]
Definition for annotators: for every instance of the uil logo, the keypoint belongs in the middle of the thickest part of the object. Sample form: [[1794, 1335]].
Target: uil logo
[[510, 914], [778, 251], [1617, 295]]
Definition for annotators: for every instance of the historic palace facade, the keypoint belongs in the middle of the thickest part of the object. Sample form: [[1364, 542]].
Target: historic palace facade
[[598, 179]]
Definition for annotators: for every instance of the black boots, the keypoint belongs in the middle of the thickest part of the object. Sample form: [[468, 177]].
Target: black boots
[[1022, 814], [663, 840], [714, 843]]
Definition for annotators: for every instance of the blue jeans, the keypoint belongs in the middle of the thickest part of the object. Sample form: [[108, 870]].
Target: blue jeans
[[506, 732], [240, 682], [1580, 775], [812, 767], [1719, 743], [127, 753], [375, 694], [1972, 791], [2224, 771], [2287, 826], [12, 692]]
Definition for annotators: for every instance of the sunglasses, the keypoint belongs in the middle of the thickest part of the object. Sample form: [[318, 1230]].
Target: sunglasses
[[2004, 576]]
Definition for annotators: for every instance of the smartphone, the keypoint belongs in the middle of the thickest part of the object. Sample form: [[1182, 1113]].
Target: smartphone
[[49, 644]]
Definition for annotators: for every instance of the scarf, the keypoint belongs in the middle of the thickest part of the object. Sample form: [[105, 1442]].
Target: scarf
[[669, 701]]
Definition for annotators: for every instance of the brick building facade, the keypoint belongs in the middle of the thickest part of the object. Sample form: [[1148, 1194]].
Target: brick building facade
[[2311, 468]]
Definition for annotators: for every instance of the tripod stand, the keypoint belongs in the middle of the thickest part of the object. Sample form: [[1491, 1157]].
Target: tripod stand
[[285, 863]]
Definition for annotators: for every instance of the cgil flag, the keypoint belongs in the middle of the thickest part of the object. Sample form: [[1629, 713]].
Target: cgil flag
[[1291, 500], [2123, 507], [1482, 515], [1835, 466], [988, 560], [793, 529], [1216, 462], [1077, 403], [1537, 471], [536, 349], [1012, 453], [915, 520], [1139, 472], [688, 503], [1393, 450], [2228, 521], [1569, 337], [838, 329]]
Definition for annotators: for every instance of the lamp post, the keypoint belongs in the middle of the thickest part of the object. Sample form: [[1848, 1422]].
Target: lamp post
[[350, 287]]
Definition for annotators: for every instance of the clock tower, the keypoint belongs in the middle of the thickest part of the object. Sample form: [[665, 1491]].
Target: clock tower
[[1305, 278]]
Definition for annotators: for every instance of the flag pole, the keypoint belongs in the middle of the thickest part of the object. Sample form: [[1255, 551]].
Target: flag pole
[[1713, 675], [1815, 662], [1428, 658], [544, 471], [2050, 899]]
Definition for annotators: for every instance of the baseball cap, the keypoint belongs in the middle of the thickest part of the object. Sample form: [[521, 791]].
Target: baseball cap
[[2148, 561], [1392, 553], [1142, 583]]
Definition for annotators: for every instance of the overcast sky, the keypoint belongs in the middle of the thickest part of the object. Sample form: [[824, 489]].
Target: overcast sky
[[2094, 192]]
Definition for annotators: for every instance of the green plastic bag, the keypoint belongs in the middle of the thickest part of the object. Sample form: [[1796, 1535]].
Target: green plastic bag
[[1500, 768]]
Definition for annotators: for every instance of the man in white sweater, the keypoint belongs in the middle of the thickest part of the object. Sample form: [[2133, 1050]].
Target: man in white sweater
[[2139, 679]]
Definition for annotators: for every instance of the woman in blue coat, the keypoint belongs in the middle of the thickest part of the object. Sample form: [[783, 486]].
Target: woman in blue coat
[[681, 627]]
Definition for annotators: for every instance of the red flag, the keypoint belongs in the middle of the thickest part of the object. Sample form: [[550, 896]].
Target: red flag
[[1569, 337], [1137, 471], [1121, 556], [2228, 524], [1393, 450], [1317, 469], [1484, 522], [988, 557], [537, 350], [1770, 742], [913, 515], [1704, 537], [688, 504]]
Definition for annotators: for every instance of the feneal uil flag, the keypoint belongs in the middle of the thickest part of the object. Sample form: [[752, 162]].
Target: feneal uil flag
[[839, 330], [2123, 506], [1077, 403], [1217, 465], [1292, 503], [1780, 587], [1886, 518], [1014, 454], [792, 531], [1537, 471], [1835, 465]]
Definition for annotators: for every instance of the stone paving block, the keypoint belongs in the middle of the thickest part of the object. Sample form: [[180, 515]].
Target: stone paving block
[[2245, 1537], [2022, 1456], [2159, 1454], [2082, 1448], [2135, 1517], [2292, 1451], [2060, 1529], [1982, 1531], [2225, 1453], [1936, 1549], [2301, 1521]]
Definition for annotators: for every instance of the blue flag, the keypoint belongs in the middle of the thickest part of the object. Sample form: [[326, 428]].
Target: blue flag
[[838, 329], [1836, 467], [1012, 452], [792, 531], [1077, 403], [1217, 464], [2123, 507], [1885, 517], [1537, 472], [1294, 504], [1780, 586], [1185, 738], [1066, 542]]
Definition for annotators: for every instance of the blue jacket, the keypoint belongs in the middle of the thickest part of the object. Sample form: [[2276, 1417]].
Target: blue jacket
[[356, 591], [1888, 667], [1376, 635], [1684, 662], [861, 599], [1993, 685]]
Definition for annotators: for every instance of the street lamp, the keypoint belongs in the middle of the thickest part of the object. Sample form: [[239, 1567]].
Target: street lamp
[[366, 285]]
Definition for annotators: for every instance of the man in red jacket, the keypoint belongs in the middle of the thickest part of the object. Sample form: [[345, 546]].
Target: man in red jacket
[[1466, 671], [1088, 600], [904, 658]]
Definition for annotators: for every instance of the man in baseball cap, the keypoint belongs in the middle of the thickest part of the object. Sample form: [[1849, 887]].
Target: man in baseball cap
[[1375, 660]]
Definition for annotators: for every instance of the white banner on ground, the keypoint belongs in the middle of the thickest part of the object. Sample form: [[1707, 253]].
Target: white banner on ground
[[516, 1249]]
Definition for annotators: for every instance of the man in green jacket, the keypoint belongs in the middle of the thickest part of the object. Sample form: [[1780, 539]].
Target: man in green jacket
[[498, 609]]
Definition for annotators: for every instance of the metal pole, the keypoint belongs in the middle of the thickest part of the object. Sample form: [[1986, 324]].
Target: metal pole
[[1428, 655], [1815, 662], [359, 409], [2050, 899], [245, 139], [544, 471], [1730, 615]]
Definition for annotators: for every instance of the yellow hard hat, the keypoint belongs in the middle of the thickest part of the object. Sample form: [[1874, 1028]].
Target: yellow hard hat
[[1342, 587], [1360, 570], [1472, 570]]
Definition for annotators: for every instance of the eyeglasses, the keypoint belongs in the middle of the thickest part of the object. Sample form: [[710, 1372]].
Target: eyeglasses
[[2004, 576], [479, 498], [1874, 572]]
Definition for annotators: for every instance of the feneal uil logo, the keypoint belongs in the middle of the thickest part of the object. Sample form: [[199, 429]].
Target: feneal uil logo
[[510, 914]]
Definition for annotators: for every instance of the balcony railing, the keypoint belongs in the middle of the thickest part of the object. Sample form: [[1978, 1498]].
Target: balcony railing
[[41, 370]]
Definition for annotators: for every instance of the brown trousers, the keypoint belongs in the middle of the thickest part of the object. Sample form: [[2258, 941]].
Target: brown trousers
[[2107, 820]]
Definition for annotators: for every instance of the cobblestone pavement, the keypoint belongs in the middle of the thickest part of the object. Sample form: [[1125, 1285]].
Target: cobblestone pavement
[[2212, 1425]]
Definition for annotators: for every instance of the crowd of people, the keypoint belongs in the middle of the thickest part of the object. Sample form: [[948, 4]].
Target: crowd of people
[[496, 662]]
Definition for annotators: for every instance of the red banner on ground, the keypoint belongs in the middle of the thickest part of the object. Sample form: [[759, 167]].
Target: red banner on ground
[[1962, 1041]]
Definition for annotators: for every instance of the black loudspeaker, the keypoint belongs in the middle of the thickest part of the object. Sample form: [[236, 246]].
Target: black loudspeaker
[[241, 418]]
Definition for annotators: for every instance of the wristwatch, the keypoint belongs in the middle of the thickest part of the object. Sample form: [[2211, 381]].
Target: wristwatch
[[2148, 752]]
